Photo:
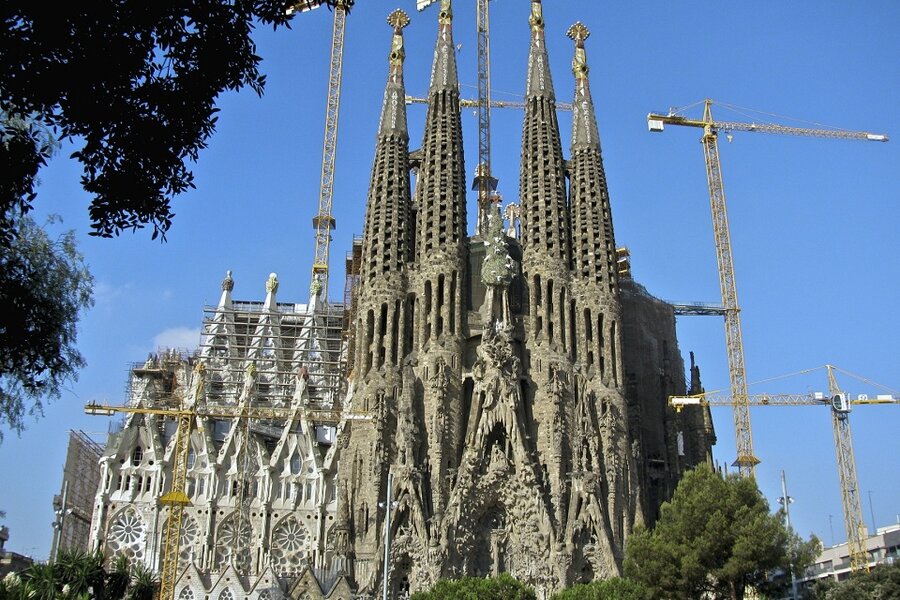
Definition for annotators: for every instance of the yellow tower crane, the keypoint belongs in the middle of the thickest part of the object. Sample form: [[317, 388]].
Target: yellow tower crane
[[186, 415], [840, 404], [746, 460], [324, 221]]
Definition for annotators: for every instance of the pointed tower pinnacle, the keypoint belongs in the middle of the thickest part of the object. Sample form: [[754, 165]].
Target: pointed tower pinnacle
[[386, 236], [593, 248], [538, 83], [542, 180], [584, 122], [443, 70], [393, 112], [440, 190]]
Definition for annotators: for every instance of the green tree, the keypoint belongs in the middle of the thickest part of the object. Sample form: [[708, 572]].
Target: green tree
[[79, 575], [44, 284], [715, 539], [503, 587], [617, 588], [881, 583], [134, 84]]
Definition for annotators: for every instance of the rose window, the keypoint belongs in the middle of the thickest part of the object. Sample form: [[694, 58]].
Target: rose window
[[127, 534], [233, 544], [189, 531], [290, 545]]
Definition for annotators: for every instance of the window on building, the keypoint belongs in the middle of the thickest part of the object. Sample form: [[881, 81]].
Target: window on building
[[137, 455]]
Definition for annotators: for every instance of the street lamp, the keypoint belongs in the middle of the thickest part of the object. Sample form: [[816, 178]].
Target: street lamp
[[785, 501]]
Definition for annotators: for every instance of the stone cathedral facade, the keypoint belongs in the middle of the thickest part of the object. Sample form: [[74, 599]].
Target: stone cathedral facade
[[494, 366], [511, 386]]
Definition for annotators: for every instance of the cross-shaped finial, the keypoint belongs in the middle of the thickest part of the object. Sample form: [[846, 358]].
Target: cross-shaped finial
[[398, 19], [578, 32]]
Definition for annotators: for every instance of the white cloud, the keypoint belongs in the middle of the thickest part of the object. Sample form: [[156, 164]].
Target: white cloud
[[107, 295], [181, 338]]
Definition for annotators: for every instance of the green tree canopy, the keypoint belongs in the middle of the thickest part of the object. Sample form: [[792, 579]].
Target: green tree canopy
[[79, 575], [617, 588], [715, 539], [44, 284], [881, 583], [135, 84], [503, 587]]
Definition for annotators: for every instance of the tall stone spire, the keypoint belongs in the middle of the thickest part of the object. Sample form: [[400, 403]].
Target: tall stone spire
[[438, 283], [440, 191], [593, 244], [382, 311], [386, 237], [545, 229], [545, 267], [597, 312]]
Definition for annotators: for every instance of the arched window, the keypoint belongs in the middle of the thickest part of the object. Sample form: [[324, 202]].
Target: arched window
[[186, 594], [296, 463], [137, 455], [191, 458]]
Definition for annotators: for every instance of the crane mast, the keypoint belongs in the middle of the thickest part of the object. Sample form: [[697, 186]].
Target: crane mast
[[850, 500], [176, 500], [746, 459], [324, 221], [484, 181]]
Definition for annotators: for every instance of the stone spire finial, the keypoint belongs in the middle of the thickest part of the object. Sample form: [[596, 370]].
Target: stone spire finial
[[578, 33], [227, 287], [445, 17], [398, 20], [228, 282], [272, 283], [537, 16], [538, 81], [443, 69], [393, 111]]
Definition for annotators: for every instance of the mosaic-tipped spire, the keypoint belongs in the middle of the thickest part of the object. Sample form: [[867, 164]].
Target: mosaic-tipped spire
[[542, 181], [539, 83], [393, 111], [386, 240], [584, 121], [593, 247], [440, 189], [443, 70]]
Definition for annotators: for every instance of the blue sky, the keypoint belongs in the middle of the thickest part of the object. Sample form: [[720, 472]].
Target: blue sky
[[813, 221]]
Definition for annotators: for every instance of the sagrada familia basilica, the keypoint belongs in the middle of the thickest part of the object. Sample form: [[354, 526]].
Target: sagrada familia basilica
[[481, 404]]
